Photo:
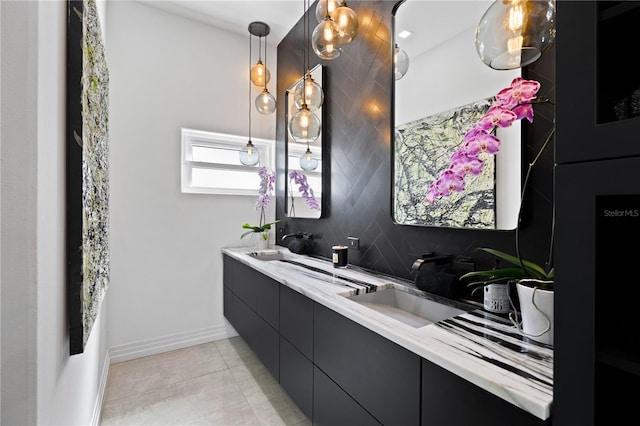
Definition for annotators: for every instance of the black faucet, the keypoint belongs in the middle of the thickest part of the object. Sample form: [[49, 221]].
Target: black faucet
[[302, 243], [440, 273], [305, 235]]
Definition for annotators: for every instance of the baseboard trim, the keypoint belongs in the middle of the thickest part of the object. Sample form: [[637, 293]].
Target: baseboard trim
[[169, 343], [102, 386]]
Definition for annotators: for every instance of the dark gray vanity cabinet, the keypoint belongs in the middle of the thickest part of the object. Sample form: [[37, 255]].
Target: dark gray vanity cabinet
[[296, 348], [382, 376], [252, 307], [450, 400], [333, 407], [341, 373]]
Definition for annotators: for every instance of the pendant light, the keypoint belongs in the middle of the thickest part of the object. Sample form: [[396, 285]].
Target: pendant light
[[260, 75], [347, 21], [307, 90], [345, 17], [326, 6], [515, 33], [308, 161], [249, 155], [304, 126], [326, 40], [400, 62], [265, 102]]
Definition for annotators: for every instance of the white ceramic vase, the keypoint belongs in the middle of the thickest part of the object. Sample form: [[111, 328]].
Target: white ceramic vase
[[536, 308]]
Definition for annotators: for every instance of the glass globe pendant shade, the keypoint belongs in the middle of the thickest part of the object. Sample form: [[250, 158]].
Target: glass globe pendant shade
[[308, 92], [347, 21], [265, 102], [515, 33], [308, 162], [304, 126], [260, 75], [249, 155], [325, 39], [400, 62], [323, 6]]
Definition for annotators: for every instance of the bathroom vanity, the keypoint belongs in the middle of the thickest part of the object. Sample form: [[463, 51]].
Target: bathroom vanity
[[352, 347]]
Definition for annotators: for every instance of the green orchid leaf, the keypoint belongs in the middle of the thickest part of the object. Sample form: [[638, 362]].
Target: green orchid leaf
[[501, 274], [265, 227], [247, 233], [533, 269]]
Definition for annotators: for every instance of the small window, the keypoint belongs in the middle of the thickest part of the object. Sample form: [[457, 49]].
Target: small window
[[210, 163]]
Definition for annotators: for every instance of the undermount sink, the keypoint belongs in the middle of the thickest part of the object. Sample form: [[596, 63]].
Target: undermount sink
[[409, 308], [267, 254]]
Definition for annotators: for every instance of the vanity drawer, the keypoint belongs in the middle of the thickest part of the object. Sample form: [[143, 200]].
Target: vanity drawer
[[296, 320], [382, 376], [259, 292]]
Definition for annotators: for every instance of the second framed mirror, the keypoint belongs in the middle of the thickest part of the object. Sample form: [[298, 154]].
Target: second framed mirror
[[304, 148]]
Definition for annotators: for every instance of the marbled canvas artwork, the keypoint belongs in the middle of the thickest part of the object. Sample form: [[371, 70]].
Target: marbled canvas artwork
[[88, 174], [423, 149]]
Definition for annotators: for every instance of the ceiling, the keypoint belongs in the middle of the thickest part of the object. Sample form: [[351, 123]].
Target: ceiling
[[431, 21], [236, 15]]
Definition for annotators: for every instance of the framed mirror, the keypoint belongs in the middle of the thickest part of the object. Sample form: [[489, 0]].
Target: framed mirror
[[444, 91], [304, 162]]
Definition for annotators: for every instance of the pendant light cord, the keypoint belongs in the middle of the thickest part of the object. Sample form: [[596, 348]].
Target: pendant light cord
[[305, 51], [249, 86], [265, 62]]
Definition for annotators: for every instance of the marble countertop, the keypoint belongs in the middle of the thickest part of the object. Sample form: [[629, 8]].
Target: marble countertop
[[482, 348]]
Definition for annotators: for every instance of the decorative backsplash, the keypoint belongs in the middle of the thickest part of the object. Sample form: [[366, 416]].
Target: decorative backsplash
[[357, 128]]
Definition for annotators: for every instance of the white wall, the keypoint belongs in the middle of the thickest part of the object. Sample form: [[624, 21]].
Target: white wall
[[41, 383], [168, 72], [449, 76]]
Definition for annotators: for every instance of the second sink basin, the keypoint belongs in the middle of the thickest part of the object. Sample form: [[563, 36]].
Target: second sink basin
[[409, 308]]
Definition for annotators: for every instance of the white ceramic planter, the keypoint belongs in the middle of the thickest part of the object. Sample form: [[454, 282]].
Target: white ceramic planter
[[260, 240], [536, 308]]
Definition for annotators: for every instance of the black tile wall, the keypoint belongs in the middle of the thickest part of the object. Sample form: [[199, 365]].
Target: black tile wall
[[357, 137]]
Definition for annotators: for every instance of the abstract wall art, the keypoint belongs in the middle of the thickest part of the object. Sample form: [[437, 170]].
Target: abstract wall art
[[422, 149], [87, 171]]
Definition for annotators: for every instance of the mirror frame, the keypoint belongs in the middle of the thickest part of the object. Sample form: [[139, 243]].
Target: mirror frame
[[515, 133], [319, 75]]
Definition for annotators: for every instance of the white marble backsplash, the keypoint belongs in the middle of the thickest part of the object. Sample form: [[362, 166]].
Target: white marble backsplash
[[482, 348]]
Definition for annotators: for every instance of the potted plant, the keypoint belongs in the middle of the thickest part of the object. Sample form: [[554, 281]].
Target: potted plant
[[261, 232], [534, 286]]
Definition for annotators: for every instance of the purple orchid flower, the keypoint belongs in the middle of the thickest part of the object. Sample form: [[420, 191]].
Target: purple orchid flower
[[464, 165], [265, 192], [477, 141], [305, 190], [496, 116], [512, 103]]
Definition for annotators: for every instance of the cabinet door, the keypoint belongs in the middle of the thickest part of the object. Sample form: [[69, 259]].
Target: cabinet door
[[267, 293], [259, 335], [296, 376], [296, 320], [259, 292], [380, 375], [452, 401], [596, 351], [240, 280], [227, 295], [333, 407], [593, 80]]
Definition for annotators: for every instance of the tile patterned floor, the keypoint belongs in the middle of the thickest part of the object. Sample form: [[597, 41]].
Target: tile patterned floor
[[219, 383]]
